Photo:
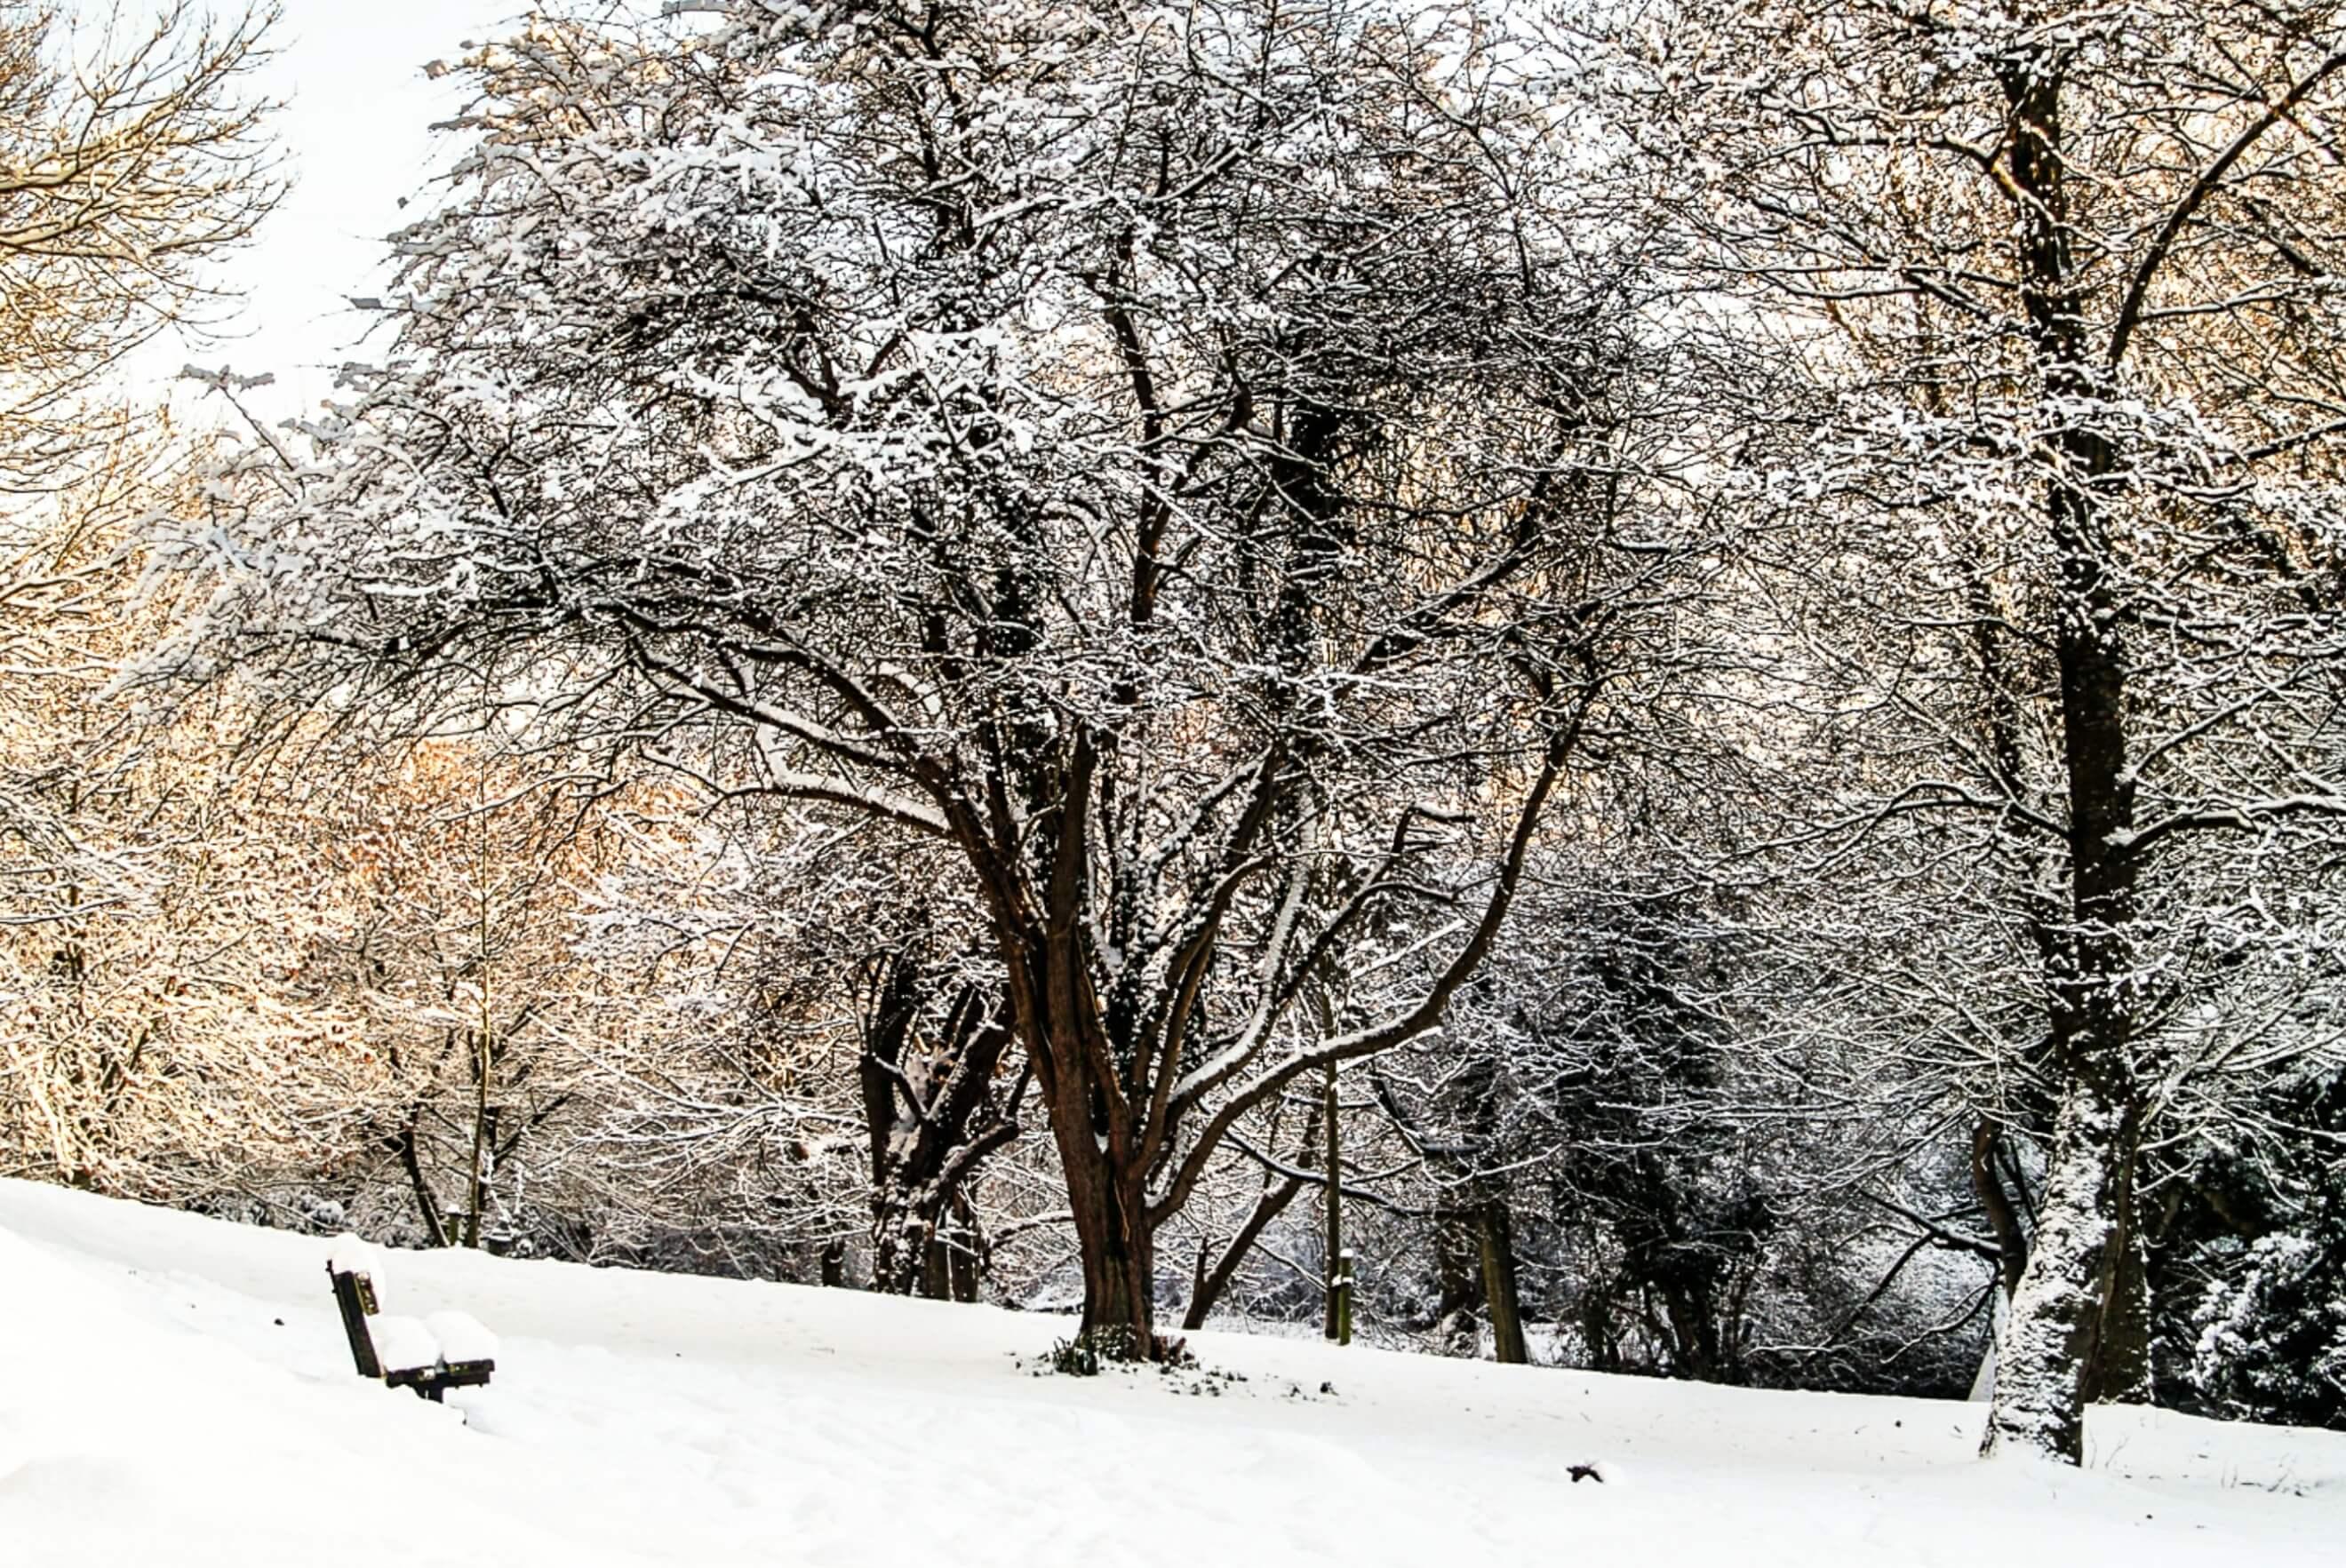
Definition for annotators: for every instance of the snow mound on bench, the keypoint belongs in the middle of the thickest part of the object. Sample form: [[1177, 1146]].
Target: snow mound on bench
[[348, 1254], [463, 1337], [403, 1344]]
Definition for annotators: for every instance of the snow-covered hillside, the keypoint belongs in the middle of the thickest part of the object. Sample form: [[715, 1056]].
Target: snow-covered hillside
[[175, 1391]]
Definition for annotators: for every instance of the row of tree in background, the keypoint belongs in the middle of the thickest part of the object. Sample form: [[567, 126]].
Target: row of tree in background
[[1655, 687]]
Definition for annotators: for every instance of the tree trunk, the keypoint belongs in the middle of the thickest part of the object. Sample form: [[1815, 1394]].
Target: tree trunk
[[2002, 1217], [1499, 1283], [965, 1257], [899, 1237], [1694, 1332], [1458, 1274], [936, 1275], [1112, 1234], [411, 1160], [901, 1242], [929, 1121], [1331, 1325], [2042, 1365], [2120, 1369], [1119, 1275], [1596, 1311]]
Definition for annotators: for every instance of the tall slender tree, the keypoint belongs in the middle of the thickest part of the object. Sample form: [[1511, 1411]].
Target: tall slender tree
[[2061, 277]]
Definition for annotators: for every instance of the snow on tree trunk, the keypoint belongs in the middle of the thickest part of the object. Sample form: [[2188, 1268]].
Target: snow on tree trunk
[[2057, 1313], [2038, 1404]]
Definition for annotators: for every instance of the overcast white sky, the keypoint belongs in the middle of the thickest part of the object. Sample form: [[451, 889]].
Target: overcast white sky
[[355, 129]]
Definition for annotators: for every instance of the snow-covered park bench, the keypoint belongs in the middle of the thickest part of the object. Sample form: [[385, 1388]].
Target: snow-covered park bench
[[431, 1355]]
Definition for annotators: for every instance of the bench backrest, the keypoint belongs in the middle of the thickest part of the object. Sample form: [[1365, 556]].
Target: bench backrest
[[354, 1294]]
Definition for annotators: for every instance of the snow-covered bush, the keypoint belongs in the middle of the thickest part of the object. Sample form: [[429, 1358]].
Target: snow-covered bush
[[2272, 1344]]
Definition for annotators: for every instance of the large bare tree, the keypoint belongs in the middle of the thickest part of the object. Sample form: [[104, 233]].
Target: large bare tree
[[1188, 465]]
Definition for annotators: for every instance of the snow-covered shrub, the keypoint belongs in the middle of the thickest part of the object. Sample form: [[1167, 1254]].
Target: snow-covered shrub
[[2272, 1343]]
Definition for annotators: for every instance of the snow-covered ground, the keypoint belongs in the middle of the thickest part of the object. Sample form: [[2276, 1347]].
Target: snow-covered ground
[[176, 1393]]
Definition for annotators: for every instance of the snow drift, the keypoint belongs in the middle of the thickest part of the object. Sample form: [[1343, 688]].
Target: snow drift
[[176, 1390]]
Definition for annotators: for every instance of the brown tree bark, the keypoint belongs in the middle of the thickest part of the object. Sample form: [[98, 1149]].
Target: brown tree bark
[[1498, 1236], [1118, 1250]]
